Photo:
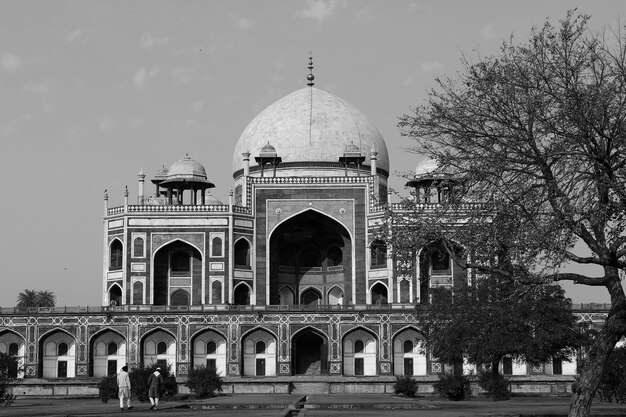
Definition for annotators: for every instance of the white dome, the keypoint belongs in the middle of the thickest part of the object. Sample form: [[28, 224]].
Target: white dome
[[310, 126]]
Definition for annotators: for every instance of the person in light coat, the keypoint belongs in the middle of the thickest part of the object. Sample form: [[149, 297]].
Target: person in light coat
[[123, 387]]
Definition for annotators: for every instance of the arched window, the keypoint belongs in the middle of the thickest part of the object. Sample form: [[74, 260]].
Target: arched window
[[115, 295], [311, 298], [242, 295], [112, 349], [378, 251], [180, 263], [335, 296], [211, 348], [216, 292], [161, 348], [260, 347], [180, 298], [440, 262], [379, 294], [13, 349], [405, 291], [138, 292], [359, 346], [216, 247], [238, 195], [335, 256], [242, 254], [62, 349], [286, 296], [115, 261], [138, 247], [408, 346]]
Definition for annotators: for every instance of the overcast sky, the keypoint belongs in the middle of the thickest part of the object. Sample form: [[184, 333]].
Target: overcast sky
[[91, 92]]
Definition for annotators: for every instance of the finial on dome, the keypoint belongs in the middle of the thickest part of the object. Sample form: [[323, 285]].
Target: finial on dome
[[310, 77]]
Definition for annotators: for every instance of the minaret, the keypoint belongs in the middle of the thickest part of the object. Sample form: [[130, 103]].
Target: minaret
[[141, 178], [373, 173]]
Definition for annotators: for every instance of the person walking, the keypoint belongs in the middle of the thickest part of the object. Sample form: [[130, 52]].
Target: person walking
[[123, 387], [154, 388]]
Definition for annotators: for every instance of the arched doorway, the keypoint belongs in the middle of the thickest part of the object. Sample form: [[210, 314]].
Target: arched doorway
[[311, 298], [309, 249], [379, 294], [209, 349], [57, 353], [408, 356], [259, 354], [108, 353], [115, 295], [177, 270], [242, 295], [309, 353]]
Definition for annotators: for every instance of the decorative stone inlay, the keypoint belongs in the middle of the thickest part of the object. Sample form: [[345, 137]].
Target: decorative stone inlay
[[284, 369], [233, 369], [183, 369], [335, 368], [81, 370], [385, 367], [436, 367]]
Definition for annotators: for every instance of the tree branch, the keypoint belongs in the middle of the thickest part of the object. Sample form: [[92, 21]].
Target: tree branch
[[580, 279]]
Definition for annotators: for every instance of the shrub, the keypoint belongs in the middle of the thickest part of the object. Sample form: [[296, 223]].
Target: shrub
[[496, 385], [7, 363], [107, 388], [139, 382], [405, 385], [204, 382], [453, 387]]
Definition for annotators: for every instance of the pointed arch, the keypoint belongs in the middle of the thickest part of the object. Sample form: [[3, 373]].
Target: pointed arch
[[9, 339], [51, 363], [409, 358], [116, 254], [311, 296], [309, 351], [298, 254], [335, 295], [169, 271], [242, 294], [242, 253], [379, 293], [360, 352], [286, 296], [175, 240], [201, 355], [102, 362], [148, 348], [180, 297], [259, 363], [115, 294]]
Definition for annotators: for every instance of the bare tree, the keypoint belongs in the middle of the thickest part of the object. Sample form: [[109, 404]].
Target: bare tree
[[538, 132]]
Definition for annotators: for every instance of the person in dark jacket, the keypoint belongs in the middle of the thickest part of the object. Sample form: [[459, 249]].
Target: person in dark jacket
[[154, 388]]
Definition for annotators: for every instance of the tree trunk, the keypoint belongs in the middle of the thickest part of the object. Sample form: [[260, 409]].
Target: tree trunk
[[604, 343], [580, 406], [495, 374]]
